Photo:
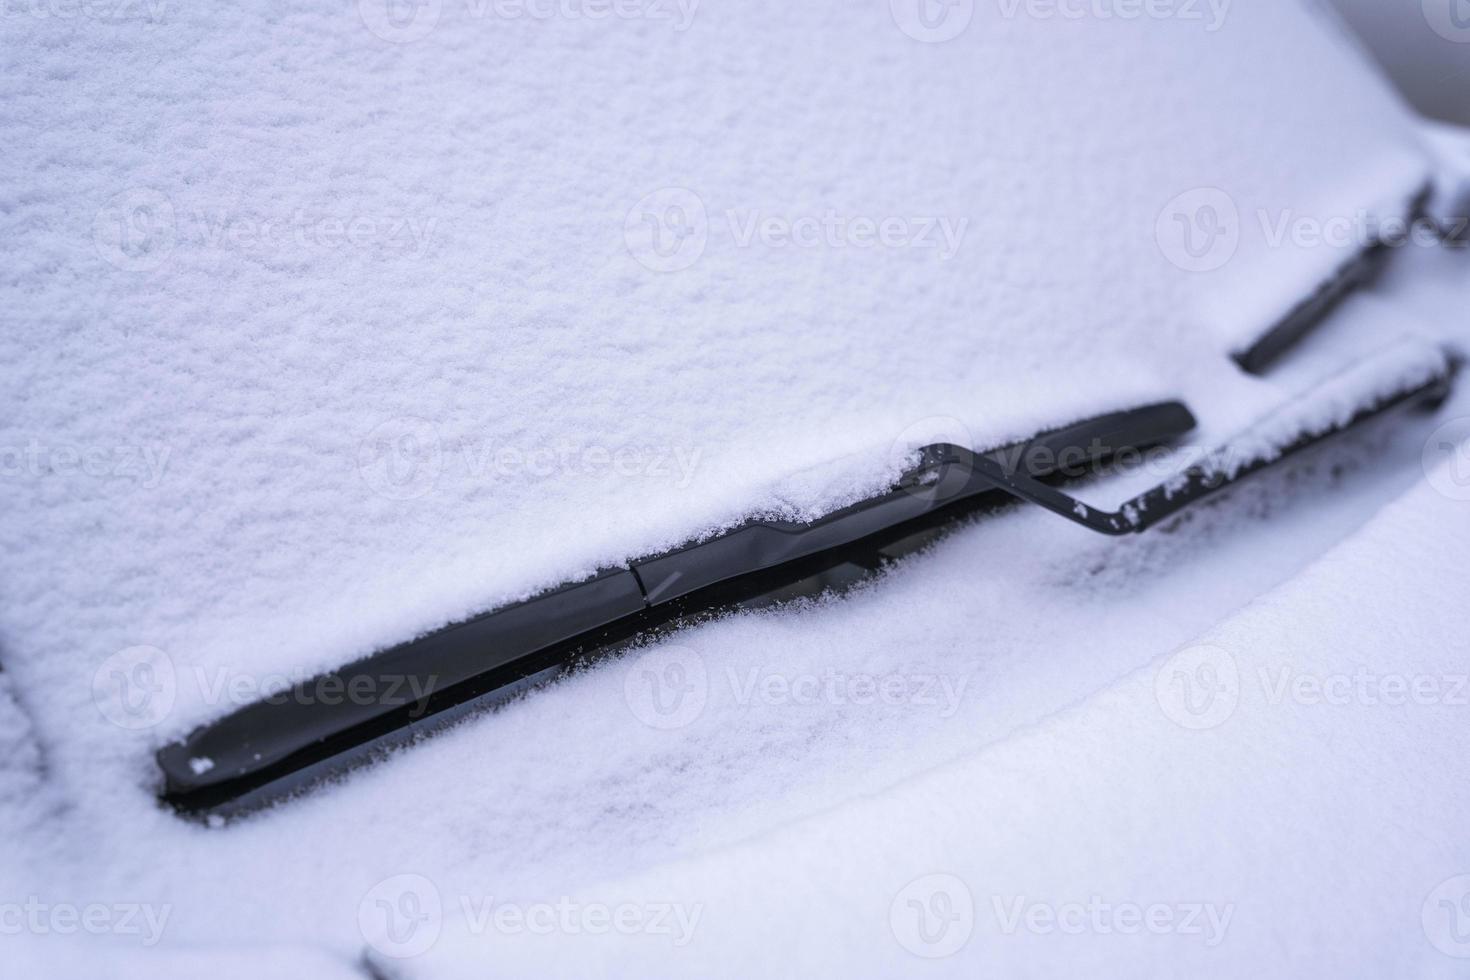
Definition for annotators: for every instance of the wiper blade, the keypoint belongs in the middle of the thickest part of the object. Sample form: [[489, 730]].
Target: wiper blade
[[275, 747]]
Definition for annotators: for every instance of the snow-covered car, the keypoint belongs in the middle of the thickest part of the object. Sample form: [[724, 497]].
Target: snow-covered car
[[708, 488]]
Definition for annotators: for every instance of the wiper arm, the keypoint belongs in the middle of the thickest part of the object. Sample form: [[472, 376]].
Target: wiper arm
[[271, 748], [277, 745]]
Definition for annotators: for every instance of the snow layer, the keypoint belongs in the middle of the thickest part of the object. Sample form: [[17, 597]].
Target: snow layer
[[66, 956], [1450, 148], [22, 770], [1000, 628], [1266, 820], [300, 439], [241, 454]]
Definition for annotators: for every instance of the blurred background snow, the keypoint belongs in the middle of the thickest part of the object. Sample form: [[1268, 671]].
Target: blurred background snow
[[1432, 70]]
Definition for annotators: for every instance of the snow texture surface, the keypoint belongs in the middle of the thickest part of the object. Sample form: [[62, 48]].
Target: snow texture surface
[[325, 325], [1272, 790]]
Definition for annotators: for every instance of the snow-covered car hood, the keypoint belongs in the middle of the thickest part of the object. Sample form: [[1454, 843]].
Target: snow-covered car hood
[[335, 325]]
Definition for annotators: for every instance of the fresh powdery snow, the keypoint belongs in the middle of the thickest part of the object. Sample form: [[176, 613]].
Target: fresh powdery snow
[[1298, 824], [329, 324]]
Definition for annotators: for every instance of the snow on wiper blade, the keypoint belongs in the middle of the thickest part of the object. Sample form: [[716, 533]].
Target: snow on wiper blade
[[275, 747], [1218, 471], [1357, 272]]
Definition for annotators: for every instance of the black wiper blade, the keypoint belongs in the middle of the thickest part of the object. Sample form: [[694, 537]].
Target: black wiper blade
[[1357, 272], [275, 747], [946, 475], [320, 727]]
